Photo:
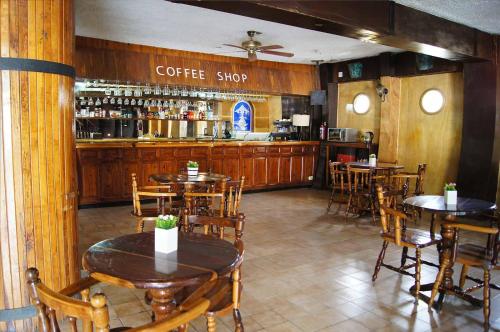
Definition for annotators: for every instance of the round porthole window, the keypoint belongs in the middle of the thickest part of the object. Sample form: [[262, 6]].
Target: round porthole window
[[361, 104], [432, 101]]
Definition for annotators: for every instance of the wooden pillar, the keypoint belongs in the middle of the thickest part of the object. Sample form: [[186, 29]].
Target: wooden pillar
[[37, 151], [389, 120]]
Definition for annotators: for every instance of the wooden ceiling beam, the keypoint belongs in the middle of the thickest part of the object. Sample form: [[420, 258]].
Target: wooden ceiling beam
[[381, 22]]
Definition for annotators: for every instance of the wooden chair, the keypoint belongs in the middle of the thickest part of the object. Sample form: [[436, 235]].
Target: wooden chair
[[339, 184], [361, 191], [226, 293], [212, 202], [234, 195], [162, 194], [473, 255], [93, 311], [394, 230]]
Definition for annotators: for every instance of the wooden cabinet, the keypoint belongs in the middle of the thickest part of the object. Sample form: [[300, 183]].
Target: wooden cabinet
[[104, 174]]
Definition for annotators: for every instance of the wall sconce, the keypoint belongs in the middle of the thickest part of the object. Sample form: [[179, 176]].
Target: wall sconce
[[382, 91], [361, 103], [432, 101]]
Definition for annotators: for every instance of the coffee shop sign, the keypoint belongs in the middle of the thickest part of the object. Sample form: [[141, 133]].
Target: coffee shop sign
[[199, 74]]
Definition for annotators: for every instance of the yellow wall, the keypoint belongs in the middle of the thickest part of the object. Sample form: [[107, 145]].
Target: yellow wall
[[432, 139], [410, 134], [369, 121], [264, 113]]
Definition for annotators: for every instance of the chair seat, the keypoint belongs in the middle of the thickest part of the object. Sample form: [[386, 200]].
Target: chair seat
[[414, 237], [473, 255]]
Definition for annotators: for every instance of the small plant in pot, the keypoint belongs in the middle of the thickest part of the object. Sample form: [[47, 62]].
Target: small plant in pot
[[450, 193], [166, 233], [192, 168], [372, 161]]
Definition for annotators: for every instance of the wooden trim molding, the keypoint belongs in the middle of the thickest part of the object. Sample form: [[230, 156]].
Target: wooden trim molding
[[34, 65]]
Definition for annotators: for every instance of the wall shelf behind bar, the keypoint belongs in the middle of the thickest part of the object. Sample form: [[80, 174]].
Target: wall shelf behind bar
[[145, 119]]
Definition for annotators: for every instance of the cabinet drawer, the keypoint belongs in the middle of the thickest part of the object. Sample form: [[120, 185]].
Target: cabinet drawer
[[297, 149], [218, 151], [246, 151], [285, 150], [87, 155], [148, 154], [182, 152], [166, 153], [109, 154], [308, 149], [273, 149], [259, 150], [199, 152], [231, 151]]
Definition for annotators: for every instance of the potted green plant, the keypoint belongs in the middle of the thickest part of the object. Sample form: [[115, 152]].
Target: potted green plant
[[192, 167], [450, 193], [166, 233], [372, 161]]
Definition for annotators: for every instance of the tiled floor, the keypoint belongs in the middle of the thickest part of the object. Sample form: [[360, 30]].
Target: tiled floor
[[304, 270]]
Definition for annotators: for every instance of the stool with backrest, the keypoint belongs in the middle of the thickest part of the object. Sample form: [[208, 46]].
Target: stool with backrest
[[230, 286], [394, 230], [361, 192], [93, 311], [473, 255], [339, 182], [233, 196]]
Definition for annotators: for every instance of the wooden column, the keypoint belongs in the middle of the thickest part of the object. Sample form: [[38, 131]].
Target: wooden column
[[37, 151], [389, 120]]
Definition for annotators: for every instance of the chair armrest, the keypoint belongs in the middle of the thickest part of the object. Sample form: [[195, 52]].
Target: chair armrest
[[78, 286]]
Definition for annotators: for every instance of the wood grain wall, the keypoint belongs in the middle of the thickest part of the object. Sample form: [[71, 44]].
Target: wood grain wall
[[407, 134], [365, 122], [37, 152], [96, 58], [432, 139]]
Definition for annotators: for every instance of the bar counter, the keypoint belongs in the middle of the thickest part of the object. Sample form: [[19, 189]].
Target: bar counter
[[105, 165]]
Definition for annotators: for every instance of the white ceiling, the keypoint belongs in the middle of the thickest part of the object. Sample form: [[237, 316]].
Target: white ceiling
[[483, 15], [164, 24]]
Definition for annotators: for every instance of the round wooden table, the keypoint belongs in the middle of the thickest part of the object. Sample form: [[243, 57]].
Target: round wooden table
[[380, 166], [131, 261], [436, 205], [184, 178]]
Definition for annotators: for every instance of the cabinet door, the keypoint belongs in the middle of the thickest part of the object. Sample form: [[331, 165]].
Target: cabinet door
[[217, 166], [284, 173], [259, 171], [308, 169], [128, 169], [296, 169], [231, 167], [168, 166], [147, 169], [88, 182], [110, 180], [247, 171], [273, 164]]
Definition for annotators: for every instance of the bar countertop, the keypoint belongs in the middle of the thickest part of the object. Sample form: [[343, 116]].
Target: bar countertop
[[127, 143]]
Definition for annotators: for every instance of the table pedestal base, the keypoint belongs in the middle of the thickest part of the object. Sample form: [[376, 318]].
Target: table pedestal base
[[163, 302]]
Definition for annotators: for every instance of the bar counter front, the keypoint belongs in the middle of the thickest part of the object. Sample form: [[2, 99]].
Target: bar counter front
[[105, 166]]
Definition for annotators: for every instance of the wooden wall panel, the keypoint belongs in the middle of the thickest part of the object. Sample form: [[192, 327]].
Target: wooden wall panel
[[264, 113], [104, 59], [37, 152], [431, 139], [366, 122], [389, 120]]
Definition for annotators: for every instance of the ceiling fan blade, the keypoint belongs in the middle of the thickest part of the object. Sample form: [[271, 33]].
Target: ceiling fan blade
[[269, 47], [252, 57], [278, 53], [234, 46]]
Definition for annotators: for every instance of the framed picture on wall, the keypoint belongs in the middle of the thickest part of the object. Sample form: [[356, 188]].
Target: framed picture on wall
[[242, 116]]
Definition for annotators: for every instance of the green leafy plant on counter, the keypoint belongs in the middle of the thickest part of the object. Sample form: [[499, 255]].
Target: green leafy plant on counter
[[192, 164], [373, 155], [450, 186], [167, 221]]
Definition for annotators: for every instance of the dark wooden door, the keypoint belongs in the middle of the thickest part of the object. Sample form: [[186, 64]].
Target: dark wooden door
[[308, 168], [285, 168], [296, 169], [246, 164], [127, 170], [259, 171], [110, 180], [273, 164], [231, 167]]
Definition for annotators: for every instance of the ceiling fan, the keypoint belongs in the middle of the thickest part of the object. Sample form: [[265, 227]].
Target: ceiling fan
[[253, 46]]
